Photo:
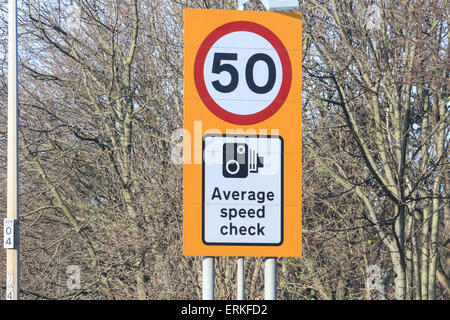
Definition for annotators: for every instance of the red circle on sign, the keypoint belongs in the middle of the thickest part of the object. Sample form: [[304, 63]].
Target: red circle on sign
[[223, 114]]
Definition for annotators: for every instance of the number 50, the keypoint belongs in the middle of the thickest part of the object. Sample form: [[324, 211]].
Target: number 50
[[219, 67]]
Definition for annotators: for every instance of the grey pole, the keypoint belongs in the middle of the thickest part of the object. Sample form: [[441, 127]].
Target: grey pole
[[208, 278], [240, 278], [12, 254], [270, 278]]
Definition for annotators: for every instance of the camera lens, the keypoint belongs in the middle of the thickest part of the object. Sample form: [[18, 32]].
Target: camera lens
[[241, 149], [232, 166]]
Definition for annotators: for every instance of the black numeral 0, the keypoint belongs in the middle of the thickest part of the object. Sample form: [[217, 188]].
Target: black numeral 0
[[218, 67], [249, 73]]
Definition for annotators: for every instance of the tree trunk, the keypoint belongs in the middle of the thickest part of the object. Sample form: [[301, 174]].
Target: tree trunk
[[400, 275]]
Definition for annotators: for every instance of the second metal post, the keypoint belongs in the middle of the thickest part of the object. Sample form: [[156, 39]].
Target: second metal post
[[270, 278], [240, 278]]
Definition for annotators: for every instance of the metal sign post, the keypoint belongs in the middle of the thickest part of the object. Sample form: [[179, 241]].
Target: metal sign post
[[12, 251], [208, 278], [240, 278]]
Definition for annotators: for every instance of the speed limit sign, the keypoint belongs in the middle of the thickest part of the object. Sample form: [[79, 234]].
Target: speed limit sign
[[242, 61], [242, 133]]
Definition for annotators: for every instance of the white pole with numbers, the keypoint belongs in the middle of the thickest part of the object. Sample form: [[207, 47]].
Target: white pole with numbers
[[11, 223]]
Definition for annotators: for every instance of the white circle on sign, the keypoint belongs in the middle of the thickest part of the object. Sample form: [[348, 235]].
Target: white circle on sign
[[233, 163], [238, 63], [241, 149]]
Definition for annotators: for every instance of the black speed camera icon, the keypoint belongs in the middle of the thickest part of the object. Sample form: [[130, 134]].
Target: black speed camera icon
[[239, 160]]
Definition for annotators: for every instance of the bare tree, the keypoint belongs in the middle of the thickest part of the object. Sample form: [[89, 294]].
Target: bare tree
[[387, 86], [101, 93]]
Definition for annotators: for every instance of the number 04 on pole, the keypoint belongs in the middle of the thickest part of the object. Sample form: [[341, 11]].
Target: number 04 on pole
[[242, 119]]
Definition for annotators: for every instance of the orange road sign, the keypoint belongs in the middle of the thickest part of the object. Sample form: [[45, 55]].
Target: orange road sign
[[242, 145]]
